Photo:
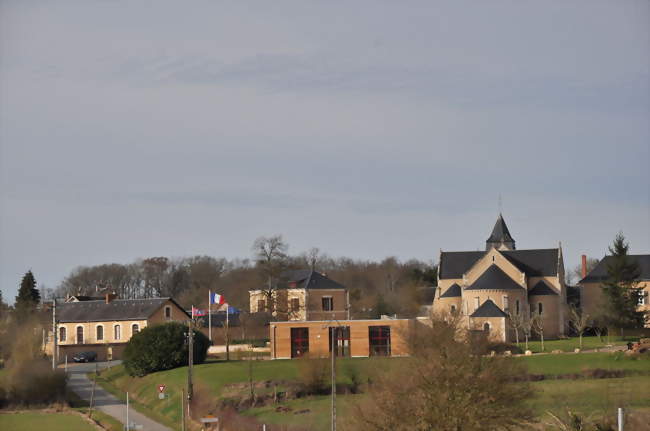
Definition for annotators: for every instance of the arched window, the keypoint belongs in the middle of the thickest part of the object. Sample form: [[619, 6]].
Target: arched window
[[135, 328], [453, 309], [62, 333], [168, 312], [486, 327], [117, 332], [517, 307], [100, 332], [80, 334], [539, 307]]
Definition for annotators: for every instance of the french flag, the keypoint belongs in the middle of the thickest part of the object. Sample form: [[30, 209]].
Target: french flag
[[215, 298]]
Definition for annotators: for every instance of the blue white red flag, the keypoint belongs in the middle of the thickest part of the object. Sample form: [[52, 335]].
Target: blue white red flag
[[215, 298]]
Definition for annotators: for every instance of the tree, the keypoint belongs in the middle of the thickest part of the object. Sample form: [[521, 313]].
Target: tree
[[162, 347], [621, 294], [575, 274], [579, 320], [28, 296], [270, 257], [444, 385], [516, 321], [527, 327], [537, 322]]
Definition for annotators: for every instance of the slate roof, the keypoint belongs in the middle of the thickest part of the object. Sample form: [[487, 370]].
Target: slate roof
[[500, 232], [541, 289], [488, 309], [453, 291], [494, 278], [533, 262], [117, 309], [308, 279], [599, 273]]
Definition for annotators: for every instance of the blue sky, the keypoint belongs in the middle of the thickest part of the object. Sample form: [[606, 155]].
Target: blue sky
[[367, 129]]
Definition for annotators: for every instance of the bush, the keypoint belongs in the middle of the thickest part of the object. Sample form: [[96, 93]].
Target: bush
[[162, 347], [314, 375], [32, 383]]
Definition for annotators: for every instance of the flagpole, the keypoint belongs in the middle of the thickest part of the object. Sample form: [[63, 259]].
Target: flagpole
[[227, 334], [209, 316]]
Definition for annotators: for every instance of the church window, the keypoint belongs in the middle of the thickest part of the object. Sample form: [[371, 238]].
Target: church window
[[539, 307], [477, 302], [506, 305], [453, 309], [517, 307]]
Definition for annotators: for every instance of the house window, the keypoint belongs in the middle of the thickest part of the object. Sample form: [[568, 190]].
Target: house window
[[62, 333], [642, 297], [517, 307], [135, 328], [342, 335], [299, 342], [295, 304], [506, 305], [486, 327], [379, 337], [100, 332], [261, 305], [453, 309], [80, 334], [539, 308], [117, 332], [168, 312], [328, 303]]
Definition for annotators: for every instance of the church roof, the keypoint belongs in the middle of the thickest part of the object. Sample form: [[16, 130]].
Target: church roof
[[599, 273], [454, 291], [500, 232], [541, 289], [534, 262], [488, 309], [495, 279]]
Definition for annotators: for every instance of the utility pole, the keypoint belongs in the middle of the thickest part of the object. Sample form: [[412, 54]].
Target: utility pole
[[54, 344], [183, 409], [334, 340], [128, 427], [190, 362]]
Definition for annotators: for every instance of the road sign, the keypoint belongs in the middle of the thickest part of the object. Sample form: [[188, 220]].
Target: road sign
[[161, 396], [161, 388], [209, 420]]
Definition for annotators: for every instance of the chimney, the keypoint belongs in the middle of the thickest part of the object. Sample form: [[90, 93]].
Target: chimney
[[110, 297], [584, 266]]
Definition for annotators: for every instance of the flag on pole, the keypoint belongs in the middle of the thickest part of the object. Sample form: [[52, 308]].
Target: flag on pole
[[198, 312], [215, 298]]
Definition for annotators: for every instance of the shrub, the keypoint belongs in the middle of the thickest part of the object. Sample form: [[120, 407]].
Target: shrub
[[314, 375], [33, 382], [162, 347]]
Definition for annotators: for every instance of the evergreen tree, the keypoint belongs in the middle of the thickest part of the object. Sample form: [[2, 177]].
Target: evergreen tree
[[28, 296], [620, 308]]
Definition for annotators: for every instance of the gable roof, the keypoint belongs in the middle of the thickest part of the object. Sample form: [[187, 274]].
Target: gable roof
[[541, 262], [500, 232], [308, 279], [494, 278], [454, 291], [488, 309], [599, 273], [541, 289], [117, 309]]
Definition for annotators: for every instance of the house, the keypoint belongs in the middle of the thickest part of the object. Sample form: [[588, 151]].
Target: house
[[105, 326], [591, 284], [303, 295], [492, 289], [353, 338]]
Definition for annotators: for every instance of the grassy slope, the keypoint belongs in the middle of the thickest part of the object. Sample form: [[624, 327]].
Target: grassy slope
[[570, 344], [211, 377], [43, 421]]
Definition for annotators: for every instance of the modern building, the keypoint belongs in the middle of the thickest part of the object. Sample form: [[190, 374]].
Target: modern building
[[303, 295], [105, 326], [492, 289], [591, 294], [354, 338]]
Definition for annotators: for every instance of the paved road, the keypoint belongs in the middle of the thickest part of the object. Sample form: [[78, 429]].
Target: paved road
[[104, 401]]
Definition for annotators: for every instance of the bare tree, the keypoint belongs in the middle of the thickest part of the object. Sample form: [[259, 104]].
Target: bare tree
[[538, 326], [526, 326], [516, 321], [575, 274], [270, 256], [312, 256], [580, 321]]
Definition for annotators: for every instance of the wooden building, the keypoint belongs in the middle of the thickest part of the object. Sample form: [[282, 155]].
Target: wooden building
[[354, 338]]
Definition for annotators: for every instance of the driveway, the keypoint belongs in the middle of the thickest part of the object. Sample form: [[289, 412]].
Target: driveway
[[104, 401]]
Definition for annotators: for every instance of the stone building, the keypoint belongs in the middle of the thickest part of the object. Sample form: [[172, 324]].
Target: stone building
[[492, 289]]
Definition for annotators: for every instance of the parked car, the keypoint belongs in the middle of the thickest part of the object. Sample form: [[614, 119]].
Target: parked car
[[85, 357]]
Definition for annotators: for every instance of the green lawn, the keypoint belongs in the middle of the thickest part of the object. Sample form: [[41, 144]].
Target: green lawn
[[570, 344], [44, 421], [210, 379]]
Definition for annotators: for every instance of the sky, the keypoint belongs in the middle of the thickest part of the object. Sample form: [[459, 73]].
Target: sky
[[368, 129]]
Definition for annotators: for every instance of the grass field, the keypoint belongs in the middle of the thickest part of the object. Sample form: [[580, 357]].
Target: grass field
[[570, 344], [210, 379], [44, 421]]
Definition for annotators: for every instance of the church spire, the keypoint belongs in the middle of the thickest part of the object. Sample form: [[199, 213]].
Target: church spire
[[500, 237]]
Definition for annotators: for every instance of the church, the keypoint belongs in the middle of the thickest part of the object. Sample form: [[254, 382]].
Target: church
[[495, 290]]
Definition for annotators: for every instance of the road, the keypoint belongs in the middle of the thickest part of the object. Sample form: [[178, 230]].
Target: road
[[104, 401]]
